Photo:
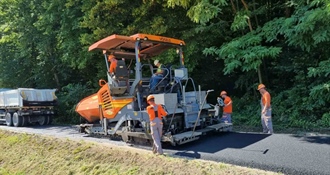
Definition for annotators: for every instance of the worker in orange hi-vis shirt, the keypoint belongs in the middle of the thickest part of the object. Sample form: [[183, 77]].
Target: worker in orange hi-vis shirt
[[266, 110], [156, 112], [227, 107], [113, 64]]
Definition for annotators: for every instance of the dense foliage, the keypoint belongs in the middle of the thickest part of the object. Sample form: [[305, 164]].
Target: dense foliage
[[232, 45]]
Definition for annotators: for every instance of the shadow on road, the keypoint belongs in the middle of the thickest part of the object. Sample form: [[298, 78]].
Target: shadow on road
[[218, 142], [315, 139], [188, 154]]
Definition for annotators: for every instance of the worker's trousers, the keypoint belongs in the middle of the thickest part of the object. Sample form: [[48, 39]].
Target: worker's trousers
[[154, 81], [226, 118], [266, 120], [156, 131]]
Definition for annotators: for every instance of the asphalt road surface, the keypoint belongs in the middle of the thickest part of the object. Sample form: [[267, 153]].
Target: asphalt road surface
[[289, 154]]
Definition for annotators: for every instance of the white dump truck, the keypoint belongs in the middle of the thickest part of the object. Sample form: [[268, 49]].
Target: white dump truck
[[23, 106]]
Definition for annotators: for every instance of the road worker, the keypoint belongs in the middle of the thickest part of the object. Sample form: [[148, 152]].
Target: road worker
[[227, 107], [113, 64], [156, 112], [266, 110]]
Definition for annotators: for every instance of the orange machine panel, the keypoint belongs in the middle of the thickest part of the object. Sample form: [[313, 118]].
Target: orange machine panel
[[117, 105], [151, 45], [89, 108], [158, 38], [111, 106], [110, 42]]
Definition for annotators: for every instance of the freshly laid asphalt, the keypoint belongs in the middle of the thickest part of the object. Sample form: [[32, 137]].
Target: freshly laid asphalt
[[285, 153]]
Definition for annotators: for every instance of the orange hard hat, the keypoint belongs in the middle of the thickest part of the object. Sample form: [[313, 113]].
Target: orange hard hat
[[223, 93], [150, 97], [261, 86], [110, 57]]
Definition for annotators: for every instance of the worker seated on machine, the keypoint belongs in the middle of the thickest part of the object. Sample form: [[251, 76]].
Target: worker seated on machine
[[118, 72], [158, 75], [113, 64], [112, 70]]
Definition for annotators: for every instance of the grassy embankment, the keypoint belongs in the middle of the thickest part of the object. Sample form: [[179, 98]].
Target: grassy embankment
[[32, 154]]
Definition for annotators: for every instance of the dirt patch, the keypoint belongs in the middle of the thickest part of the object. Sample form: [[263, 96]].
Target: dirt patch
[[35, 154]]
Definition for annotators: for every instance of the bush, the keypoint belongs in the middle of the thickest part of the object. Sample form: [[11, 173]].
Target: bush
[[69, 97]]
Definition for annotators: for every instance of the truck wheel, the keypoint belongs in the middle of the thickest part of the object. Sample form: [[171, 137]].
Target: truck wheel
[[42, 120], [9, 119], [49, 120], [25, 120], [17, 120]]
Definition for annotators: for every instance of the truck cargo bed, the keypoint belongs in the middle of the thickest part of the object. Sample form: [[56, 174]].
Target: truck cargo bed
[[23, 106], [22, 97]]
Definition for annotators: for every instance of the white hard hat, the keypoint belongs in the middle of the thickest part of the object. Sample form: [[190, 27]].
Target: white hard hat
[[156, 62]]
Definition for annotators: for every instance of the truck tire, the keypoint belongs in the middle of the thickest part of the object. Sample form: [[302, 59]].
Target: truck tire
[[42, 120], [17, 120], [9, 119], [49, 120], [25, 120]]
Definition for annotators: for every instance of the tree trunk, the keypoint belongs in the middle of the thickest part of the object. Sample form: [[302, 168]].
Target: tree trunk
[[251, 29], [287, 11], [255, 16], [259, 75], [233, 6], [247, 9], [57, 81]]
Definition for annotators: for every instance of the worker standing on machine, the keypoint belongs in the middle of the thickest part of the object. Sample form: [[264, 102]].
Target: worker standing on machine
[[156, 112], [227, 107], [113, 64]]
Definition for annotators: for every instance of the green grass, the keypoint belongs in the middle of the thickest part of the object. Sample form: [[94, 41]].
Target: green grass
[[24, 154]]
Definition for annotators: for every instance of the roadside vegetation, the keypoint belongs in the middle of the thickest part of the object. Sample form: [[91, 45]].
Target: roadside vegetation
[[34, 155], [230, 45]]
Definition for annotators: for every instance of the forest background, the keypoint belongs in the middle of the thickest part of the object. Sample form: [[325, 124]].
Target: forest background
[[231, 45]]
